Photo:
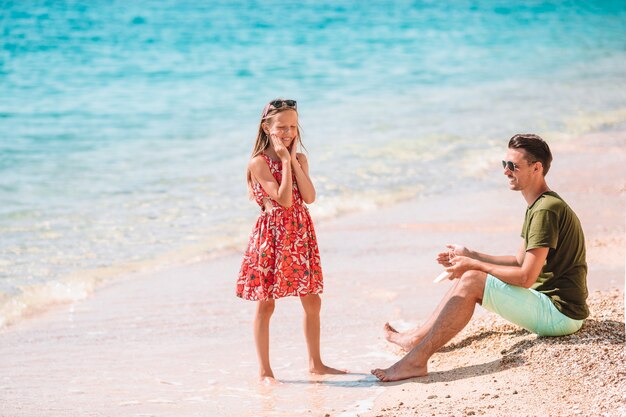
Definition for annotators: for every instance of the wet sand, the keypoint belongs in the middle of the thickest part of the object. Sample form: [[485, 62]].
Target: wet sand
[[178, 342]]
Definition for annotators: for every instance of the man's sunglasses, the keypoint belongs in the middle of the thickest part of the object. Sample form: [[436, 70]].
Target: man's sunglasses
[[278, 104], [511, 166]]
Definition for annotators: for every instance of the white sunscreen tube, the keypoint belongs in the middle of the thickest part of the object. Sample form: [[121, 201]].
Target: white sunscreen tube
[[442, 276]]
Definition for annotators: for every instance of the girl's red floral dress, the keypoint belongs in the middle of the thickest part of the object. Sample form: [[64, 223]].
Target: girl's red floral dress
[[282, 257]]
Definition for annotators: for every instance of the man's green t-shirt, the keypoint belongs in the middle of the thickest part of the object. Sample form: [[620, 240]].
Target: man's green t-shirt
[[551, 223]]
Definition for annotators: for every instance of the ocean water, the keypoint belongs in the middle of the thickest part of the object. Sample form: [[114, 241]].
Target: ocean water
[[125, 127]]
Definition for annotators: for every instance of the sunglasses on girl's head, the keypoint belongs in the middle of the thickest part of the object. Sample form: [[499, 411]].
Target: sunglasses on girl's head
[[278, 104]]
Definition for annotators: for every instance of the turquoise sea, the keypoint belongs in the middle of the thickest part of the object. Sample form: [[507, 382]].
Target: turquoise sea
[[125, 127]]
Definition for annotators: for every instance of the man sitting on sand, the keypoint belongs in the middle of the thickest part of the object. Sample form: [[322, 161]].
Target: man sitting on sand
[[543, 289]]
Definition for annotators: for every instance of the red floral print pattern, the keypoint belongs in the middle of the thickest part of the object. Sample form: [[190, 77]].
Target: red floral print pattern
[[282, 258]]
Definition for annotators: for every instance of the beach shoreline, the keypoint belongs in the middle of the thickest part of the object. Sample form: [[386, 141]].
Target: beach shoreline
[[161, 342], [125, 133]]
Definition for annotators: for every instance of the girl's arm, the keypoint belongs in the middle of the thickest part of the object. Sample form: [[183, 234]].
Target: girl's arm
[[301, 170], [282, 193]]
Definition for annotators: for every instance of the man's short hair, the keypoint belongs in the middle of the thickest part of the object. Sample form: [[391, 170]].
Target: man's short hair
[[536, 149]]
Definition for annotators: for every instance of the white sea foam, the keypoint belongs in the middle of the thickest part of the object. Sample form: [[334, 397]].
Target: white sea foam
[[36, 298]]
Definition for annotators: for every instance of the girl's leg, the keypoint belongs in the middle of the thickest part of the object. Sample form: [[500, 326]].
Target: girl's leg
[[312, 305], [262, 317]]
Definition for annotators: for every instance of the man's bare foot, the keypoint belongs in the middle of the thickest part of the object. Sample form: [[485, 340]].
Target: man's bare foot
[[400, 339], [402, 369], [326, 370], [389, 328]]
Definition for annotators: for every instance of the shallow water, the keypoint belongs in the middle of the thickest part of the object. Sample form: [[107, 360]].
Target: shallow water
[[125, 128]]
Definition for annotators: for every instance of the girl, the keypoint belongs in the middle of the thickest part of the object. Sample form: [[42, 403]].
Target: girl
[[282, 258]]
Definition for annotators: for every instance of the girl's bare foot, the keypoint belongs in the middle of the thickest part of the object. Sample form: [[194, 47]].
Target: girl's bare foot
[[267, 377], [268, 380], [400, 339], [326, 370]]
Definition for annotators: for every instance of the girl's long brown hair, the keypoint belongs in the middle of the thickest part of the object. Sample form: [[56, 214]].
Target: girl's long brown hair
[[263, 141]]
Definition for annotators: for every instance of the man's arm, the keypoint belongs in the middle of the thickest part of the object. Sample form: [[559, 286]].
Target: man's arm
[[523, 275], [509, 260], [506, 260]]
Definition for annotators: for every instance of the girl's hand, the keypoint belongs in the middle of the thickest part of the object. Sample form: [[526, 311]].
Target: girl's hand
[[293, 152], [280, 149]]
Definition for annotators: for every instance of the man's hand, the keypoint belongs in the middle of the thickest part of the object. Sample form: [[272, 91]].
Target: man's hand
[[444, 258], [460, 264]]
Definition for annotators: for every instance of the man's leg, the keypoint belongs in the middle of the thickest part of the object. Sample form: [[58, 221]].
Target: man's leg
[[527, 308], [409, 339], [453, 317]]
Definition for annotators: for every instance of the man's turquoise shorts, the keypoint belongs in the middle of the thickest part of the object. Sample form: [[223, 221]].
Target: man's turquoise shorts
[[527, 308]]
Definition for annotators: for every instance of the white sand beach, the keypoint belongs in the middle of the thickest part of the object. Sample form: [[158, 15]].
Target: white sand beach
[[177, 342]]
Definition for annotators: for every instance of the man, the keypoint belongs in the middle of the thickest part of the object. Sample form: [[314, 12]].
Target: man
[[543, 289]]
